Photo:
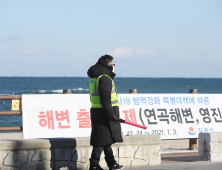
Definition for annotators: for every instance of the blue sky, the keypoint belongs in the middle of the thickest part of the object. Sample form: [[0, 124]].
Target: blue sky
[[155, 38]]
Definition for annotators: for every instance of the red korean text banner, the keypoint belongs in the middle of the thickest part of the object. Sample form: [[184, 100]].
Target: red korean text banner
[[172, 116]]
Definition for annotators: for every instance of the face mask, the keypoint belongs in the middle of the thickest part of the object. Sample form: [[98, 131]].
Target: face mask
[[113, 69]]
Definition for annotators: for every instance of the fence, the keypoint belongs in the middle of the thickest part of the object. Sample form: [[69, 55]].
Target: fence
[[11, 113]]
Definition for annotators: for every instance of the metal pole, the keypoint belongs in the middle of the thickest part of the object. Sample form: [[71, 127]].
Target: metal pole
[[67, 91], [133, 91], [193, 91], [193, 141]]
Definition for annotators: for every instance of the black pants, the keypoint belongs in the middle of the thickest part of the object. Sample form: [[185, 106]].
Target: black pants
[[96, 153]]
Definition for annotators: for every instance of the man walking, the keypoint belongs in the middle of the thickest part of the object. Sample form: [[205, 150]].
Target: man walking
[[104, 113]]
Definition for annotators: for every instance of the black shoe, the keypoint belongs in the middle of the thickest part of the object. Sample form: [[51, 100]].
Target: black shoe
[[116, 167], [96, 168]]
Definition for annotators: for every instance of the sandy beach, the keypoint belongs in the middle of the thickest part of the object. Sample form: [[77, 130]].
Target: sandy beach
[[180, 144]]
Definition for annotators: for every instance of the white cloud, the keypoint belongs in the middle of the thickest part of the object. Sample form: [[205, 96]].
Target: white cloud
[[26, 50], [189, 58], [15, 38], [31, 58], [174, 59], [10, 39], [124, 52], [4, 41], [58, 53], [2, 50]]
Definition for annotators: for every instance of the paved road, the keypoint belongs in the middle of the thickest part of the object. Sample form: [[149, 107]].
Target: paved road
[[187, 166]]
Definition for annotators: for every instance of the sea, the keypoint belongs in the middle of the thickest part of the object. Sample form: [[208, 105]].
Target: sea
[[80, 85]]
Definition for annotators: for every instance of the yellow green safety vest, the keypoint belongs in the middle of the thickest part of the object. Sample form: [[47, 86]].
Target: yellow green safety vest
[[94, 92]]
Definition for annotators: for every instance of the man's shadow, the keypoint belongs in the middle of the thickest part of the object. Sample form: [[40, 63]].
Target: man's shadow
[[63, 153]]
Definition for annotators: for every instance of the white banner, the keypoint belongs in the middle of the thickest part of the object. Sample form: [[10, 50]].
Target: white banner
[[172, 116]]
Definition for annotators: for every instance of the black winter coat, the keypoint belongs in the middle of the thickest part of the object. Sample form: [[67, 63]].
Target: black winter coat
[[104, 131]]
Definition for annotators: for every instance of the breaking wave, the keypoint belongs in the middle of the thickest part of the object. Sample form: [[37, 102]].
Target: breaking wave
[[80, 89]]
